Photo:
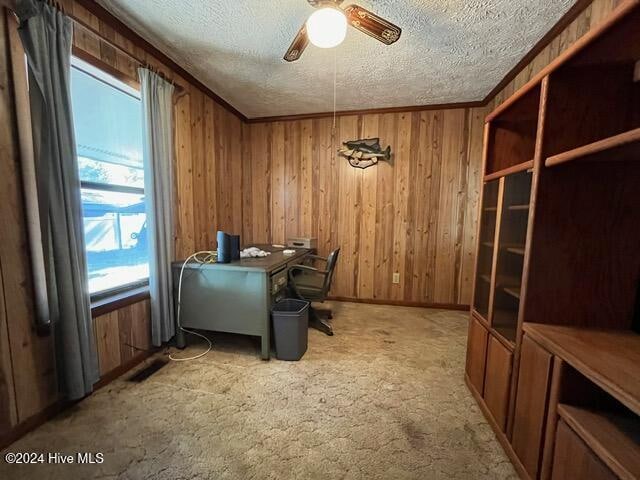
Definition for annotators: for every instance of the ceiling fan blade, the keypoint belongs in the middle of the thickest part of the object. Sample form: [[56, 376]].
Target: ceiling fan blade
[[373, 25], [322, 3], [298, 45]]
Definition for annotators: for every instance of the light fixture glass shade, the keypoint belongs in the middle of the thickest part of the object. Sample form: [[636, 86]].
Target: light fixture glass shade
[[327, 27]]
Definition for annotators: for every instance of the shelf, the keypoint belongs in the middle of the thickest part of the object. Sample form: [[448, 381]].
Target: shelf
[[518, 207], [487, 244], [515, 250], [514, 292], [509, 170], [486, 278], [609, 358], [507, 281], [490, 209], [625, 146], [613, 437]]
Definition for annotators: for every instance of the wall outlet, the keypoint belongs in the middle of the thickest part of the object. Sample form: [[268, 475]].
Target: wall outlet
[[396, 277]]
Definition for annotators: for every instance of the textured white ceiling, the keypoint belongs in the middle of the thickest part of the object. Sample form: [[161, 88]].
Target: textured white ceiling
[[450, 50]]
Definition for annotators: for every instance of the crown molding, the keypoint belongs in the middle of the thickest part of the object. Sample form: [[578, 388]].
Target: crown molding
[[368, 111]]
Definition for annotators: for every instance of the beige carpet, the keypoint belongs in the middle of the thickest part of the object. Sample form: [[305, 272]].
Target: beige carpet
[[382, 399]]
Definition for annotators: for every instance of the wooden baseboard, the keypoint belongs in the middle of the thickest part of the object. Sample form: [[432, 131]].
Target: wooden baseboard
[[500, 435], [402, 303], [54, 409]]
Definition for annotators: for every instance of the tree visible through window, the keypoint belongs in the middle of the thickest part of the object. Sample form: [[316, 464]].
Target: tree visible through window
[[108, 128]]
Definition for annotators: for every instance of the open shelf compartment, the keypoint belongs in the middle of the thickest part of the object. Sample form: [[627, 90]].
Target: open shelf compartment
[[593, 103], [512, 136], [609, 428]]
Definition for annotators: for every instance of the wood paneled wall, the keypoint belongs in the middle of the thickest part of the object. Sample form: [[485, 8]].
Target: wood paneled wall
[[122, 336], [414, 216], [208, 173]]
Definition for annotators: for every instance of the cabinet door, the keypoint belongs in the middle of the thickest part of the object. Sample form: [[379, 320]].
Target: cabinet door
[[531, 401], [573, 459], [497, 380], [476, 353]]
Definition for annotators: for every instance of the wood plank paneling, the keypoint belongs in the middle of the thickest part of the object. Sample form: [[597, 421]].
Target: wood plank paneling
[[122, 335], [106, 330], [134, 330], [406, 216]]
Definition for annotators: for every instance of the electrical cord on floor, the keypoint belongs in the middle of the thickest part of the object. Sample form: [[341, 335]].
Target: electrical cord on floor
[[203, 257]]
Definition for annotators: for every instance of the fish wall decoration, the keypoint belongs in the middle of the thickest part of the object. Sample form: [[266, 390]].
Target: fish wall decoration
[[364, 152]]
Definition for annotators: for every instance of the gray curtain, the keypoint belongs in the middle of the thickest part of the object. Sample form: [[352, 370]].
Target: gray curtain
[[46, 35], [157, 106]]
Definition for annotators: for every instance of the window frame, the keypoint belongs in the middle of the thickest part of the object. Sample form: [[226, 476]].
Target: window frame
[[78, 56]]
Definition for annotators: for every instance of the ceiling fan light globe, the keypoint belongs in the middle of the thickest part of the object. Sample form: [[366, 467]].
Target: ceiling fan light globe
[[327, 27]]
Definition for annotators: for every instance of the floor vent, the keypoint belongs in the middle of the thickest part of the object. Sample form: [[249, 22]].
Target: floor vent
[[146, 372]]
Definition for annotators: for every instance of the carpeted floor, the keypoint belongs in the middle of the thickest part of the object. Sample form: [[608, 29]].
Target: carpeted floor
[[382, 399]]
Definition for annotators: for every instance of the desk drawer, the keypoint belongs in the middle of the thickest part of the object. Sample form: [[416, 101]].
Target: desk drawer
[[278, 281]]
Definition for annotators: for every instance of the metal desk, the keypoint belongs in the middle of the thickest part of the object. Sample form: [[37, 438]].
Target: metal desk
[[234, 297]]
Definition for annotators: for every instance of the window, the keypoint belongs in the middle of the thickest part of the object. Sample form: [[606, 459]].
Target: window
[[108, 126]]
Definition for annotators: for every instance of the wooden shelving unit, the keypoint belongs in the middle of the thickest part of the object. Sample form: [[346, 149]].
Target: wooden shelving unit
[[558, 244]]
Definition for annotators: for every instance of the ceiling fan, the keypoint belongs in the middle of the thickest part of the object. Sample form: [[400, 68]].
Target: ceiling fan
[[327, 27]]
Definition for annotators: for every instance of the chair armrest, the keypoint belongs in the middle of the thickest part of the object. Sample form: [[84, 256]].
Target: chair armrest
[[306, 268], [316, 257], [301, 268]]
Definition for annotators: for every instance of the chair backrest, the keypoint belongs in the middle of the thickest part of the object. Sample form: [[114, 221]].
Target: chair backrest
[[332, 259]]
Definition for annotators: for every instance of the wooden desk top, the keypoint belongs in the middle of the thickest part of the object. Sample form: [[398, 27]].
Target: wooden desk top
[[268, 264]]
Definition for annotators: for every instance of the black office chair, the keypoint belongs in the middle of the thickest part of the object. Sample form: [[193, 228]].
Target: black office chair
[[312, 284]]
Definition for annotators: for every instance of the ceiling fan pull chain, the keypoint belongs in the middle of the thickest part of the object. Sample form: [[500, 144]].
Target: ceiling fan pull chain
[[333, 134]]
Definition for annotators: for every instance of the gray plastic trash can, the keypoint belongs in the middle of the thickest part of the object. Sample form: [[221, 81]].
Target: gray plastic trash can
[[290, 328]]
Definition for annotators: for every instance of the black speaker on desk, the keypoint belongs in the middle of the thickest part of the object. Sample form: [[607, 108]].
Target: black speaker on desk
[[235, 247], [224, 247]]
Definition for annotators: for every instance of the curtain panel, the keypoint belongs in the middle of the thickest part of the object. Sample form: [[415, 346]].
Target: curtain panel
[[46, 35], [157, 106]]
